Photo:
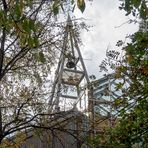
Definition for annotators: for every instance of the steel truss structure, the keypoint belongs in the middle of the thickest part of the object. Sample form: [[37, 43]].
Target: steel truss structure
[[71, 78]]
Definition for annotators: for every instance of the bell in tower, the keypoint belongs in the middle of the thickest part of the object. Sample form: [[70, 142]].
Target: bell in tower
[[71, 61]]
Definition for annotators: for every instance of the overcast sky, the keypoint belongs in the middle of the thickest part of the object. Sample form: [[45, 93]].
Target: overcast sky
[[104, 16]]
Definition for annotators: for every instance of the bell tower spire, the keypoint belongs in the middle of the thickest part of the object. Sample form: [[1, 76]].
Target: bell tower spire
[[71, 78]]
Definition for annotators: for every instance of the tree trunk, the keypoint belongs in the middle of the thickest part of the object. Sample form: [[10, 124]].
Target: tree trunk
[[1, 138]]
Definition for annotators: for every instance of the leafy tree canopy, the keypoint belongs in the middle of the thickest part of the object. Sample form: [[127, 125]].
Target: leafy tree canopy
[[132, 121], [30, 39]]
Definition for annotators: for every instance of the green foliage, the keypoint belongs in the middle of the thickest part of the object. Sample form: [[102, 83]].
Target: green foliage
[[59, 4], [27, 53], [42, 57], [132, 126], [132, 121], [135, 7], [55, 7], [29, 41], [81, 5]]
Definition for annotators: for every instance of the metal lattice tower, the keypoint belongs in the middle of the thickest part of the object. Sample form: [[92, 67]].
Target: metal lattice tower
[[71, 77]]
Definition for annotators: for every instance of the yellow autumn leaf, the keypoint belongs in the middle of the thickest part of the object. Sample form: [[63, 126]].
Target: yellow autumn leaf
[[130, 58], [145, 71]]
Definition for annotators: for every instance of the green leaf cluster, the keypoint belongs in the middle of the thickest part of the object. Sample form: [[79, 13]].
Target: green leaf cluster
[[58, 4], [55, 7], [40, 57], [131, 129], [135, 7], [81, 5]]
